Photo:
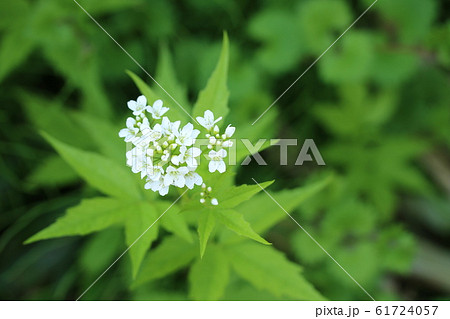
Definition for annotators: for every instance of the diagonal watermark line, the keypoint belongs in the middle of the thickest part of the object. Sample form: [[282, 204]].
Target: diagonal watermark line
[[315, 61], [133, 59], [315, 241], [98, 278]]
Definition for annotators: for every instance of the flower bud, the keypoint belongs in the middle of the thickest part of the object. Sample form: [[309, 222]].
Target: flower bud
[[229, 131]]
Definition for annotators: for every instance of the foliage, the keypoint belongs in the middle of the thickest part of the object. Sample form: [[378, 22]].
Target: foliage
[[376, 105]]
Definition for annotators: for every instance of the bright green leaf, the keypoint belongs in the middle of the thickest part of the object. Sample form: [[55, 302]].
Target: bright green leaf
[[206, 224], [238, 194], [89, 216], [174, 222], [209, 276], [214, 96], [101, 172], [171, 255], [141, 229], [236, 222], [266, 268], [166, 77], [263, 213]]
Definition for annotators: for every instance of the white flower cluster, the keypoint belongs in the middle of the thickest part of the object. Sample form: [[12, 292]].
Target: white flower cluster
[[217, 141], [164, 154]]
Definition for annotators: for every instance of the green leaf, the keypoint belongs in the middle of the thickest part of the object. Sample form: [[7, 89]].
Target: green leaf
[[351, 64], [268, 269], [89, 216], [100, 251], [144, 88], [238, 194], [50, 116], [214, 96], [104, 135], [14, 12], [206, 224], [100, 172], [320, 20], [174, 222], [209, 276], [15, 47], [52, 172], [263, 213], [278, 53], [108, 6], [165, 75], [141, 229], [411, 25], [171, 255], [236, 222]]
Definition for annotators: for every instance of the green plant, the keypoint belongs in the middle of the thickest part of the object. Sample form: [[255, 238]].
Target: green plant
[[142, 214]]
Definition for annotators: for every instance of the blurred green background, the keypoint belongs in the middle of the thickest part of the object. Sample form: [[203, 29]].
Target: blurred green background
[[377, 106]]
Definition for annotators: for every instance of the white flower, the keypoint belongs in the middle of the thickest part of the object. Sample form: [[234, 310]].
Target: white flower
[[157, 186], [207, 121], [187, 156], [138, 106], [187, 135], [153, 172], [130, 132], [165, 154], [175, 176], [157, 110], [149, 135], [227, 143], [144, 125], [169, 128], [216, 163], [192, 178], [229, 131], [147, 165], [136, 158]]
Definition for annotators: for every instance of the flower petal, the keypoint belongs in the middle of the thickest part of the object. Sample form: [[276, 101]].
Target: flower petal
[[132, 105], [221, 167], [212, 166], [142, 100], [158, 104]]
